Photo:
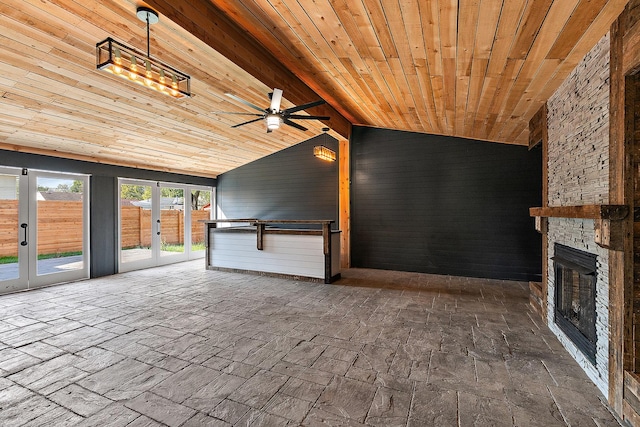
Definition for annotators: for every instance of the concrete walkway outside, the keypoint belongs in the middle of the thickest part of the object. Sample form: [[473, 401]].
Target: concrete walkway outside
[[182, 346]]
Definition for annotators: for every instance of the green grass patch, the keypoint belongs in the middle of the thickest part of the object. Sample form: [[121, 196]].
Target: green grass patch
[[14, 259], [59, 255], [167, 247], [8, 259], [198, 247]]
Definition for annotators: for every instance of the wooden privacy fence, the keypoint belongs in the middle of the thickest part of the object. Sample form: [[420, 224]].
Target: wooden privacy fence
[[60, 227], [136, 226], [9, 228]]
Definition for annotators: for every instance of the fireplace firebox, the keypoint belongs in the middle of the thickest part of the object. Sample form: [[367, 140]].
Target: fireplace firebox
[[575, 297]]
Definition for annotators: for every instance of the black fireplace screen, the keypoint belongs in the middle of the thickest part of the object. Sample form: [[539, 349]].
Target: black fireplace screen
[[575, 297]]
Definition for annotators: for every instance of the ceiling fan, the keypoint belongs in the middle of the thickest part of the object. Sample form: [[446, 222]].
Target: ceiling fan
[[273, 116]]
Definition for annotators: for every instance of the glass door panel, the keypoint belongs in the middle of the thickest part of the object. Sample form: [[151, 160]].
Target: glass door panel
[[44, 228], [13, 253], [172, 224], [159, 225], [200, 210], [136, 225], [58, 228], [59, 224]]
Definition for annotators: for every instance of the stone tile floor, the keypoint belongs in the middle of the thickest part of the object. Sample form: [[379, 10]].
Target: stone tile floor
[[182, 346]]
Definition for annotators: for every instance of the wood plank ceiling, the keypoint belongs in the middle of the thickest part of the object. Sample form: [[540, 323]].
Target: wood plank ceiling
[[472, 68]]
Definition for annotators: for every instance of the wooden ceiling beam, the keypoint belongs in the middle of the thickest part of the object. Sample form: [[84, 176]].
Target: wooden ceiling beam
[[202, 19]]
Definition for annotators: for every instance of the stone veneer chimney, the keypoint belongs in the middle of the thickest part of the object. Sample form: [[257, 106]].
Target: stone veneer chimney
[[578, 165]]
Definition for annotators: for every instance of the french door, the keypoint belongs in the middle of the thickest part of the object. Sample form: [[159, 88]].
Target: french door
[[158, 223], [44, 228]]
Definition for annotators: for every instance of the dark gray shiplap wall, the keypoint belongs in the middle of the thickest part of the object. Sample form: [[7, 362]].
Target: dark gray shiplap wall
[[444, 205], [103, 210], [289, 184]]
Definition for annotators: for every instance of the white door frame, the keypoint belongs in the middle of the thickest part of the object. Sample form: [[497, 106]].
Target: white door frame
[[27, 235], [157, 257], [36, 279]]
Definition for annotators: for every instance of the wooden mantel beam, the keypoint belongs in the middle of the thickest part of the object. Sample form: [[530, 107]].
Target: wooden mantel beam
[[202, 19], [610, 212]]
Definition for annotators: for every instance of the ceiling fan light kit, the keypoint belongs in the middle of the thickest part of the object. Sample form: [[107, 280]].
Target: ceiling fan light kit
[[134, 65], [273, 121], [273, 116]]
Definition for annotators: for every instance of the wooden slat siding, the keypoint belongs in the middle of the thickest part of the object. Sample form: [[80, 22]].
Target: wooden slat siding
[[620, 298], [9, 227], [66, 75], [438, 205], [487, 20], [448, 37], [632, 134], [344, 202], [468, 12], [612, 212], [575, 27], [285, 254], [431, 38], [600, 25], [535, 128], [60, 227], [500, 69], [631, 407], [204, 20], [627, 32], [535, 66], [350, 53], [197, 231], [136, 227], [290, 184], [507, 128], [631, 39], [130, 226], [417, 70]]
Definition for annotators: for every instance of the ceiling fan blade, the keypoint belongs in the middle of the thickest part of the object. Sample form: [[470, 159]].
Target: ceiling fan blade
[[303, 106], [276, 99], [299, 117], [295, 125], [238, 114], [246, 123], [255, 107]]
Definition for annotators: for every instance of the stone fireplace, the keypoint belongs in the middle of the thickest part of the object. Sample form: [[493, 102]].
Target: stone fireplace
[[589, 135], [577, 122], [575, 297], [578, 235]]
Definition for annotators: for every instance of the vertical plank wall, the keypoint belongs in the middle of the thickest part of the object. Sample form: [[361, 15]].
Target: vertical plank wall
[[289, 184], [444, 205]]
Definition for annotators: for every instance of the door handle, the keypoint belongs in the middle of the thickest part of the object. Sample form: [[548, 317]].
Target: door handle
[[158, 227], [24, 227]]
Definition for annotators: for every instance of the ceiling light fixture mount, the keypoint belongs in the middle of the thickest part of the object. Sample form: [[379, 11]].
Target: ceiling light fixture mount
[[323, 152], [136, 66]]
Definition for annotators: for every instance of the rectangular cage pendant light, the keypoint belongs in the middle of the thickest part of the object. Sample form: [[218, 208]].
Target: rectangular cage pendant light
[[324, 153], [136, 66]]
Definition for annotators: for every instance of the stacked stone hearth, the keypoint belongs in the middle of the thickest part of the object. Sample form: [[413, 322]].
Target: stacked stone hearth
[[578, 170]]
